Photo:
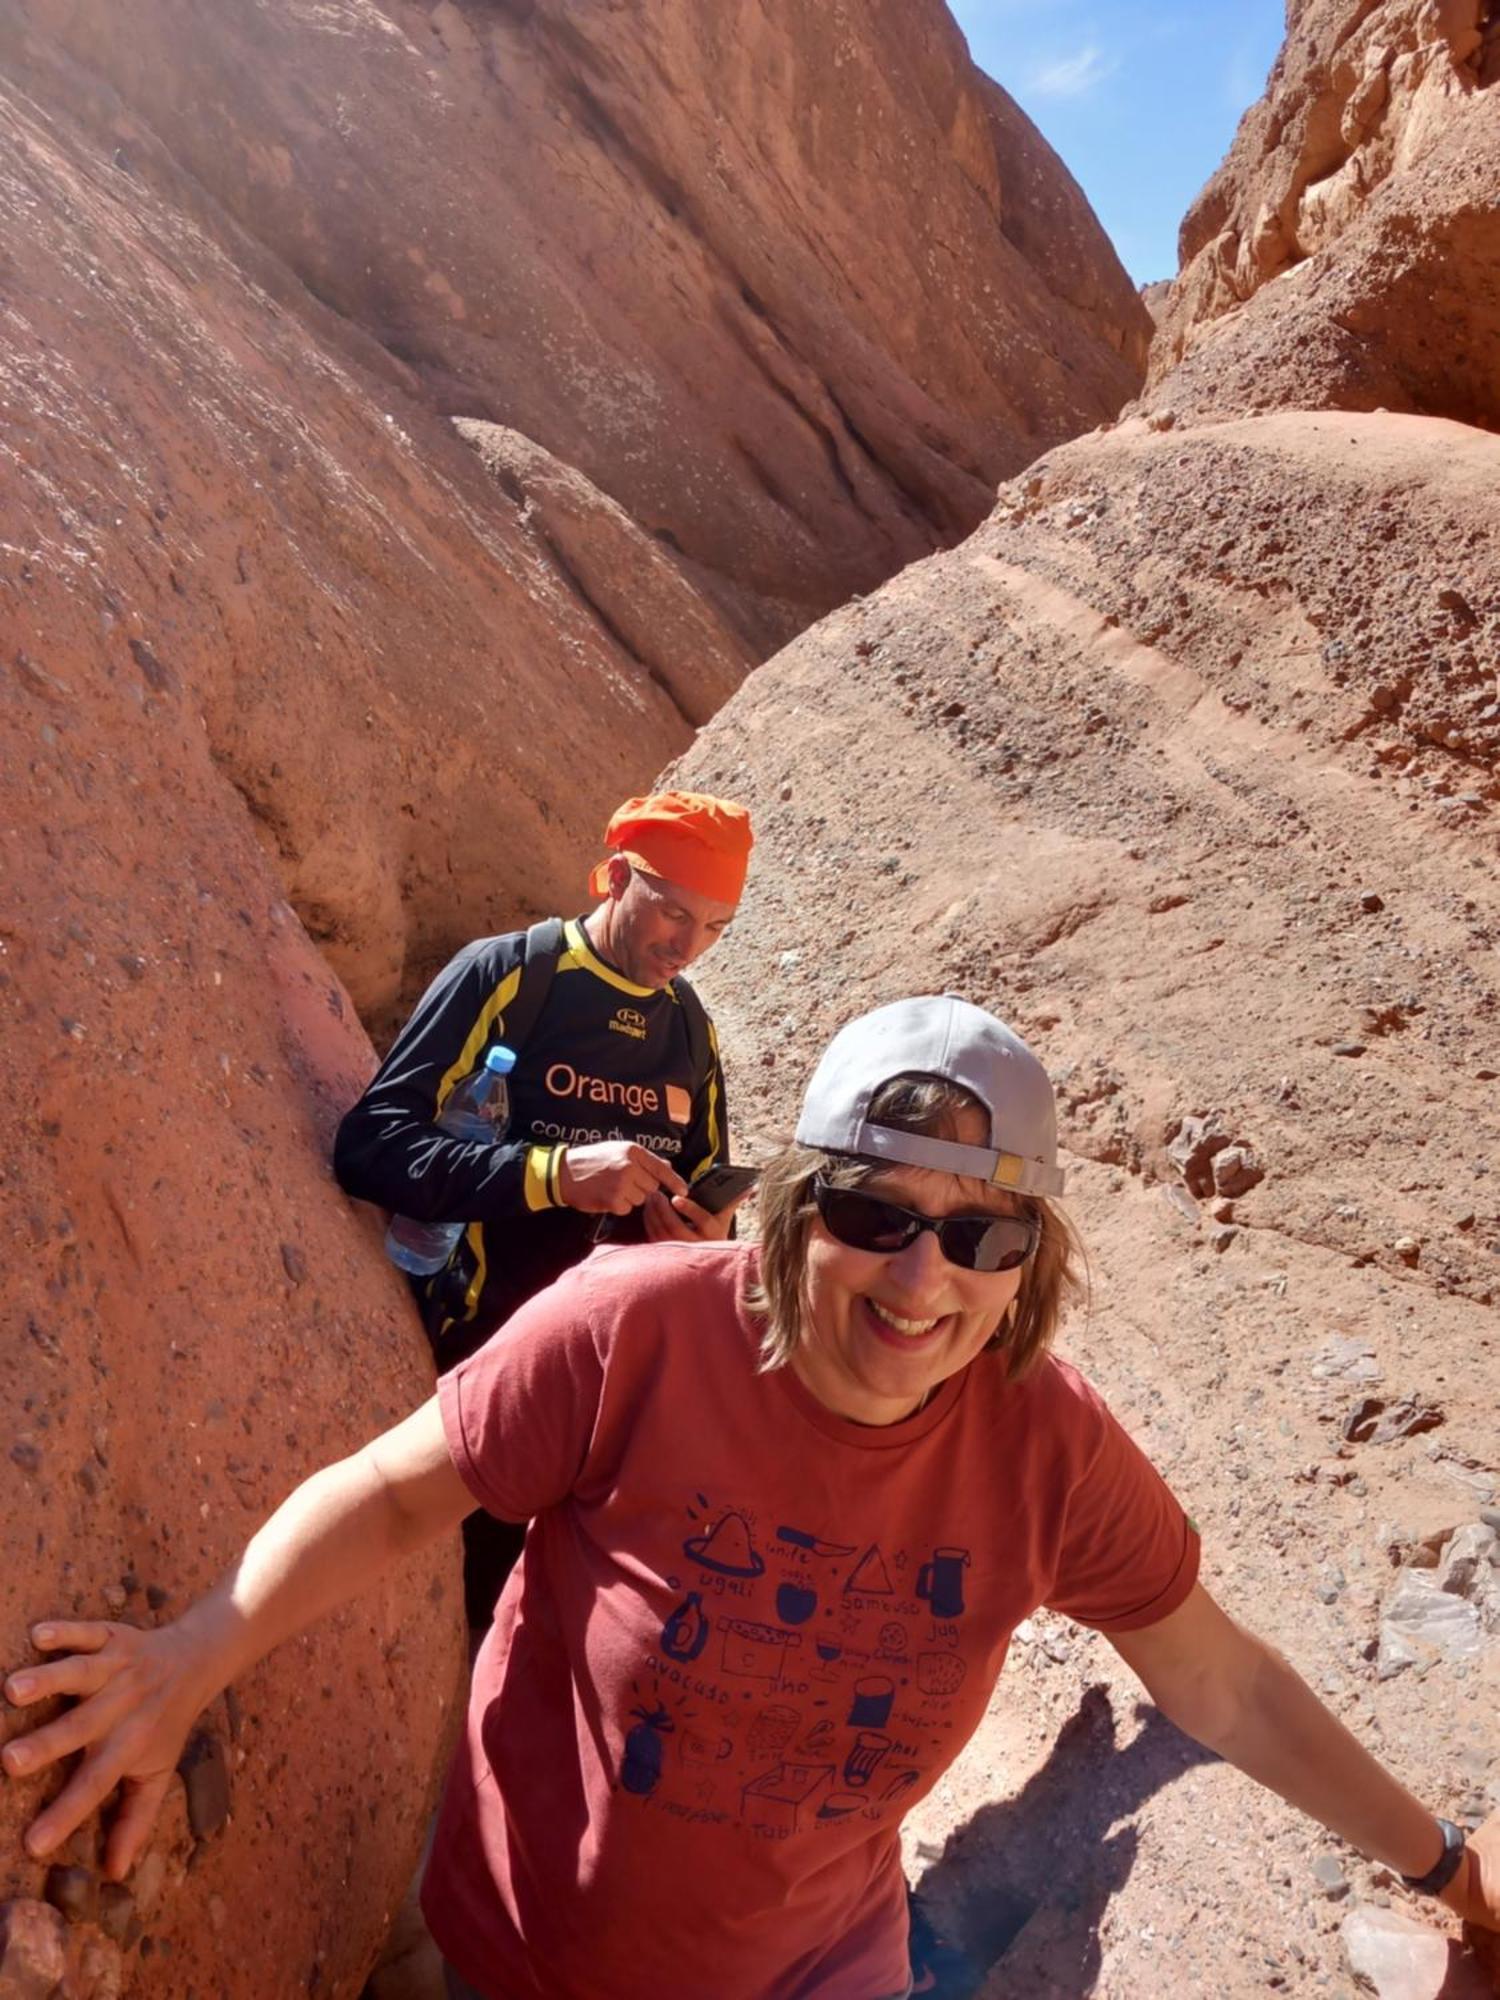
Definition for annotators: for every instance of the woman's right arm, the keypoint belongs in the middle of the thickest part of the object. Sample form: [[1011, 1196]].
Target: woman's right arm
[[139, 1692]]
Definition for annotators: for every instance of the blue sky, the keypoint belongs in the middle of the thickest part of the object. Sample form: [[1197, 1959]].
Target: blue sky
[[1140, 97]]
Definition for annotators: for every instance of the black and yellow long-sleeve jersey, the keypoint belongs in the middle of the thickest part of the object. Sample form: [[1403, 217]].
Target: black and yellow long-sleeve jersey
[[605, 1059]]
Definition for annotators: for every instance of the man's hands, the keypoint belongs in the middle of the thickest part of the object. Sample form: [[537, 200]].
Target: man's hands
[[1474, 1891], [683, 1220], [614, 1176], [139, 1694]]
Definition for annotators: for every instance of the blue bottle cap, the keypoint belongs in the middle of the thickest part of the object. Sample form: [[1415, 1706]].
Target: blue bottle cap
[[500, 1061]]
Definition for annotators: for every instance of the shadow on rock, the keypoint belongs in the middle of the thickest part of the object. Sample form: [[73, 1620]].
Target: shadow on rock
[[1027, 1880]]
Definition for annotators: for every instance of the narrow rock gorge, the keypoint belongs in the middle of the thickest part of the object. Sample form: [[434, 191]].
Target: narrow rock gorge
[[420, 423], [417, 422], [794, 286]]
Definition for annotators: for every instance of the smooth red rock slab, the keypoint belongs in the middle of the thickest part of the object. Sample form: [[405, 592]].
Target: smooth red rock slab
[[198, 1318], [794, 285], [237, 534]]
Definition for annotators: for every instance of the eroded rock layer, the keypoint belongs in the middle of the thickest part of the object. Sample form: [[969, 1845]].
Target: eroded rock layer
[[795, 286], [1185, 764], [1347, 253]]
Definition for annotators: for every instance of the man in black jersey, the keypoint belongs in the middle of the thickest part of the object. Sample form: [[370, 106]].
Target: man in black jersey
[[616, 1099]]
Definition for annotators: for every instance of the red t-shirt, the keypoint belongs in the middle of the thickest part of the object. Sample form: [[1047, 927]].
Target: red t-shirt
[[746, 1635]]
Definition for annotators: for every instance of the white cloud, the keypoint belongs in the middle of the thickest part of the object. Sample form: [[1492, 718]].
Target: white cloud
[[1075, 75]]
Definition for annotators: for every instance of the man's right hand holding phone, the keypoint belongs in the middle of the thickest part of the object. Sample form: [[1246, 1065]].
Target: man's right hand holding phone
[[614, 1176], [684, 1219]]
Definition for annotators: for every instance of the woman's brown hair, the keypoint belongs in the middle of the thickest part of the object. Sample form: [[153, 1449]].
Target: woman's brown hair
[[1051, 1277]]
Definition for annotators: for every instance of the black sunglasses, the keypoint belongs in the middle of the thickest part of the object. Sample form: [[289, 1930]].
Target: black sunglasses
[[972, 1242]]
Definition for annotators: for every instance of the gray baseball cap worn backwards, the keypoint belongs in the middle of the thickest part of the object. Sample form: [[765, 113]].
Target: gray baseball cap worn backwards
[[940, 1036]]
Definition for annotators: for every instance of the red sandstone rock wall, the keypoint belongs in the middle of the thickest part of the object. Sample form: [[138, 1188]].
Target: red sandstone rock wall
[[219, 566], [421, 712], [270, 632], [794, 285], [1347, 253]]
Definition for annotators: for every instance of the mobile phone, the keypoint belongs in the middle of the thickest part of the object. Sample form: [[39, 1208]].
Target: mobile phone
[[720, 1185]]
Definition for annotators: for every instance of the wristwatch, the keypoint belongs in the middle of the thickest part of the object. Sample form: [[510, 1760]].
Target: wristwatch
[[1443, 1870]]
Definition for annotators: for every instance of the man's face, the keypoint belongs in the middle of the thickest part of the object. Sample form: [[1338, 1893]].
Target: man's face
[[657, 927]]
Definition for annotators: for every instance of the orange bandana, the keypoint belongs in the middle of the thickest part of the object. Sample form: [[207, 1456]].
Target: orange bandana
[[700, 843]]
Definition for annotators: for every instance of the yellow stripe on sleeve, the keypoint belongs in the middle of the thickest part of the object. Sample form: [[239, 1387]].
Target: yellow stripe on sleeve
[[715, 1134], [539, 1173]]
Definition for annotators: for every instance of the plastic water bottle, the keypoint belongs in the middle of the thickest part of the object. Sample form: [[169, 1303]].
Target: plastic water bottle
[[478, 1110]]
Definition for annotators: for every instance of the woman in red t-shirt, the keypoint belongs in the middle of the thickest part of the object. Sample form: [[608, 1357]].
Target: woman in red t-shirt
[[789, 1505]]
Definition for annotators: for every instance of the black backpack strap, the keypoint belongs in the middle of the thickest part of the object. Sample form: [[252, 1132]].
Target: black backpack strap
[[545, 944], [695, 1020]]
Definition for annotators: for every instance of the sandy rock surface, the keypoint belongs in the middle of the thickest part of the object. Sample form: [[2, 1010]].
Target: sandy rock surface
[[795, 286], [1347, 252], [1181, 764]]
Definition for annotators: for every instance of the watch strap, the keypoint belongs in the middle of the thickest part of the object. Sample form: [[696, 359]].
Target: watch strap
[[1443, 1870]]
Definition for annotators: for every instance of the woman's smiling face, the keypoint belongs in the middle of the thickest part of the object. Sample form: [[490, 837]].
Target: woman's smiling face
[[880, 1332]]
